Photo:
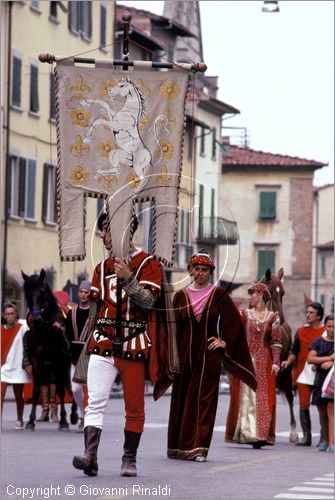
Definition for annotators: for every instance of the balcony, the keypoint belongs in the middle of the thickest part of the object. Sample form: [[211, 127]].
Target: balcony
[[217, 231]]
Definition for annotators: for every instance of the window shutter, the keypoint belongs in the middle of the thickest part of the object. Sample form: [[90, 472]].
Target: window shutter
[[214, 143], [22, 187], [52, 96], [9, 204], [266, 259], [80, 27], [201, 209], [268, 205], [16, 83], [182, 225], [188, 229], [31, 185], [89, 14], [102, 26], [45, 193], [202, 141], [70, 15], [34, 104]]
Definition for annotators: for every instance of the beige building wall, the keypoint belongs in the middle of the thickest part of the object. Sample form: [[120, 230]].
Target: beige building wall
[[32, 244], [240, 194]]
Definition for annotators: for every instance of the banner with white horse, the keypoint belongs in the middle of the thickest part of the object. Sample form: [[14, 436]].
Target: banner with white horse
[[119, 135]]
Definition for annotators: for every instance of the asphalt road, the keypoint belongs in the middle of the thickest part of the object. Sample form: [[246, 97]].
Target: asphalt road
[[38, 465]]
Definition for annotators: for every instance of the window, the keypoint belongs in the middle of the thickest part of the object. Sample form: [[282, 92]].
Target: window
[[35, 4], [212, 211], [267, 209], [49, 201], [266, 259], [21, 187], [103, 15], [52, 97], [202, 142], [80, 18], [53, 10], [322, 299], [49, 276], [323, 266], [214, 143], [34, 102], [16, 81], [201, 209]]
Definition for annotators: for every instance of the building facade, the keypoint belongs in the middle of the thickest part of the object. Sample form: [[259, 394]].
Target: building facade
[[271, 199], [29, 156]]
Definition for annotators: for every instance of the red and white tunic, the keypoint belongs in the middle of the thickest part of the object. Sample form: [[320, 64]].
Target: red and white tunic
[[148, 273]]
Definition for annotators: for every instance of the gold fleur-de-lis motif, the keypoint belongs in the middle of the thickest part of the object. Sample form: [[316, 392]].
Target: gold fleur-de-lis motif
[[79, 147], [79, 88], [79, 176], [133, 181], [144, 122], [107, 180], [164, 178], [166, 149], [144, 90]]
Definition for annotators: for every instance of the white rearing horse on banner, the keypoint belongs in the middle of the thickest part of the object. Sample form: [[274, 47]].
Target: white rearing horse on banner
[[125, 126]]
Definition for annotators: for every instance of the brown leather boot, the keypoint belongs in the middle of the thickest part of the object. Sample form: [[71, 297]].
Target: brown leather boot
[[89, 463], [44, 391], [53, 403], [131, 442]]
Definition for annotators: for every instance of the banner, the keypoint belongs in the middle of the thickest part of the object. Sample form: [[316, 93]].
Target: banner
[[119, 136]]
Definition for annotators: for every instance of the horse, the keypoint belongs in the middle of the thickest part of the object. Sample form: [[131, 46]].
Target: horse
[[284, 377], [46, 347], [125, 125]]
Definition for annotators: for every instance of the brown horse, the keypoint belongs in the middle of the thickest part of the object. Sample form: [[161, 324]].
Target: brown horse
[[284, 377]]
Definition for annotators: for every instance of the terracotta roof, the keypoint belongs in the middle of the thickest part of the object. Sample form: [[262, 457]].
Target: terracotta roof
[[326, 246], [236, 155]]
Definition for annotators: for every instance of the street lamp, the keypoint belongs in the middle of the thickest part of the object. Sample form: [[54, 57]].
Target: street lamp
[[270, 6]]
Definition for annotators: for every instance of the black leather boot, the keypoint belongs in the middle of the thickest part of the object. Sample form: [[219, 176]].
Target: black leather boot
[[131, 442], [305, 420], [88, 463]]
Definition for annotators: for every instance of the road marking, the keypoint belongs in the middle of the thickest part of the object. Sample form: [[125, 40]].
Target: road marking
[[296, 496], [246, 463], [318, 489], [309, 488]]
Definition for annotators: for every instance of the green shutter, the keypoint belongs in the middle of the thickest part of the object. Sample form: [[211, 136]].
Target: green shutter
[[22, 186], [266, 259], [45, 193], [201, 209], [16, 83], [267, 205]]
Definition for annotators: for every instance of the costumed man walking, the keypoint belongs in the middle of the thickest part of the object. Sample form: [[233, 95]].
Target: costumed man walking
[[12, 371], [76, 329], [299, 353], [137, 354]]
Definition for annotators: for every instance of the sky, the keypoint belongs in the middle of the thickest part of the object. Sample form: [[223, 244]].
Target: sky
[[277, 69]]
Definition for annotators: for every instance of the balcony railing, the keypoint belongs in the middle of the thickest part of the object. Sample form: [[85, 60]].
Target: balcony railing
[[217, 231]]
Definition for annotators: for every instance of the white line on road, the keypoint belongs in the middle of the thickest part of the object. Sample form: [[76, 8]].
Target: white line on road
[[296, 496], [315, 489]]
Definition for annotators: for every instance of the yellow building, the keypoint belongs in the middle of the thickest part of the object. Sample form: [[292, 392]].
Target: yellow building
[[28, 122]]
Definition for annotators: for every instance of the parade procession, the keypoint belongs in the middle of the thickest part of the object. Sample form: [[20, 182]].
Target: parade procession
[[167, 289]]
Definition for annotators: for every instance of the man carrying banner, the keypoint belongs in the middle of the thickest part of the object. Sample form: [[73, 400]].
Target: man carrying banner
[[136, 354]]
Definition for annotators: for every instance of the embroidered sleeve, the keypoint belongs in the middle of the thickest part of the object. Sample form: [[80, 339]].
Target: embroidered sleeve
[[275, 344], [143, 297]]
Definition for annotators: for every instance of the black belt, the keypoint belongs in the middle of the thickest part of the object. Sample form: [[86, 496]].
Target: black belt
[[124, 323]]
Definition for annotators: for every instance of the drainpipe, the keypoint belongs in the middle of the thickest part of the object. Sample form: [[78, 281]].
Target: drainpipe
[[7, 166], [316, 271]]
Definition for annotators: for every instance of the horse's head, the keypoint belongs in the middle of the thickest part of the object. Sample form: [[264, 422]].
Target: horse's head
[[121, 88], [276, 288], [38, 296]]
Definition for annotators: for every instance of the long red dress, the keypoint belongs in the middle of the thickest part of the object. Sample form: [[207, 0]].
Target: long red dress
[[195, 390], [251, 416]]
